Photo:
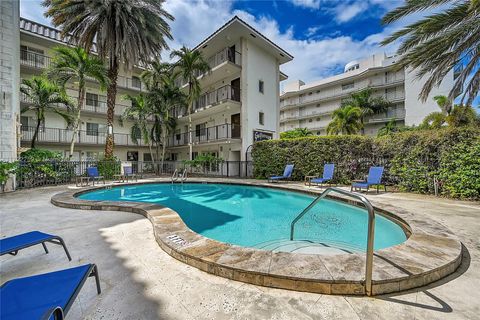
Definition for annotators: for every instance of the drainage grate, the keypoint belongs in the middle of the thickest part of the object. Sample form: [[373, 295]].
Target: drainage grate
[[177, 240]]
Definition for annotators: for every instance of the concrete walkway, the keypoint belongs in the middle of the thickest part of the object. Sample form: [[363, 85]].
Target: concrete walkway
[[140, 281]]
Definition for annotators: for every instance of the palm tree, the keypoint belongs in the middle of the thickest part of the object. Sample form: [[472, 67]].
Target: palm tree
[[139, 113], [165, 98], [440, 42], [390, 127], [127, 32], [154, 76], [189, 65], [368, 104], [463, 115], [434, 120], [443, 103], [74, 64], [346, 120], [44, 96], [296, 133]]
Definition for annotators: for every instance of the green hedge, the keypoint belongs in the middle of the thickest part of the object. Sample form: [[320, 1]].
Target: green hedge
[[412, 159]]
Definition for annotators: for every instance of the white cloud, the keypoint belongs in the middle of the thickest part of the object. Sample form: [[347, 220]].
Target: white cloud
[[310, 4], [315, 58], [346, 12], [312, 30]]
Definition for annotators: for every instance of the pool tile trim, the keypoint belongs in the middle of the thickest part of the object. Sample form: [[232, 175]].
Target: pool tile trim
[[430, 253]]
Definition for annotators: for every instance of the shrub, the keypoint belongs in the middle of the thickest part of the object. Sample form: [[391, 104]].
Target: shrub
[[108, 167], [6, 169], [412, 159]]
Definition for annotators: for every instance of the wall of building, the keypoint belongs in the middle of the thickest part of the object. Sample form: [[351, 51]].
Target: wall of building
[[9, 78], [259, 66], [415, 109]]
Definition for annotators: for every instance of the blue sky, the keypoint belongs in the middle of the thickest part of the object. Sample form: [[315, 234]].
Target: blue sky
[[322, 35]]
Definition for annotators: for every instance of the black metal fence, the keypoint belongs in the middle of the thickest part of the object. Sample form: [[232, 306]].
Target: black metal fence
[[55, 172]]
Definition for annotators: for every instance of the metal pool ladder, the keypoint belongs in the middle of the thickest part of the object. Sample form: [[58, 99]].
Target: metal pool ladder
[[371, 229], [182, 176]]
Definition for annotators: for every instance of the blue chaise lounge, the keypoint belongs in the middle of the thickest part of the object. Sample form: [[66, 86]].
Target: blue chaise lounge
[[328, 170], [44, 296], [12, 245], [287, 173], [374, 178]]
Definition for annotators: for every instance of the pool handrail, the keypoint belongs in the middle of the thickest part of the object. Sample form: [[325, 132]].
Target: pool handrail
[[371, 229], [175, 175]]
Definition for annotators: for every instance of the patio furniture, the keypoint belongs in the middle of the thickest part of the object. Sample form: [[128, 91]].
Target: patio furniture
[[328, 170], [128, 173], [287, 173], [93, 174], [44, 296], [12, 245], [82, 181], [374, 178]]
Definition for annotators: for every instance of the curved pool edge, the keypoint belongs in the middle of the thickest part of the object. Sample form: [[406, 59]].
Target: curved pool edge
[[430, 253]]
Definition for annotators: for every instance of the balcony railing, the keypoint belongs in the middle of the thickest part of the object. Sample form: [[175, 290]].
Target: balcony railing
[[208, 99], [398, 113], [203, 135], [217, 59], [58, 135], [41, 61], [91, 105], [34, 60]]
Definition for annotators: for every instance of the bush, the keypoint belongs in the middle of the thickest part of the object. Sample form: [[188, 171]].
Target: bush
[[6, 169], [412, 159], [108, 167]]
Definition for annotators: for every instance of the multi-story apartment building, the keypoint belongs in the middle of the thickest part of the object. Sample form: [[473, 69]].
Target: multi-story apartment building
[[36, 43], [311, 105], [239, 103]]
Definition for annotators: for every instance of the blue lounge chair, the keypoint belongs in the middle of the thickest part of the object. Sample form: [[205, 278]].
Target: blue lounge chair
[[287, 173], [93, 174], [328, 170], [13, 244], [44, 296], [128, 173], [374, 178]]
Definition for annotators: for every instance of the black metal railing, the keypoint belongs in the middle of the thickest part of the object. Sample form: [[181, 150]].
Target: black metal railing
[[59, 135], [57, 172], [202, 135]]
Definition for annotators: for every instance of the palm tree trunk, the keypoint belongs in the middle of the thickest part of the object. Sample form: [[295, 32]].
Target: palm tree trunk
[[35, 134], [190, 109], [164, 137], [76, 123], [111, 94]]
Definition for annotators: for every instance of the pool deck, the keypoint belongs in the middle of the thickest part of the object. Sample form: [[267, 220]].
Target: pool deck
[[141, 281]]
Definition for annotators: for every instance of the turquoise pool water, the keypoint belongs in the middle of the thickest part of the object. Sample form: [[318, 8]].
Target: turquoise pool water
[[256, 217]]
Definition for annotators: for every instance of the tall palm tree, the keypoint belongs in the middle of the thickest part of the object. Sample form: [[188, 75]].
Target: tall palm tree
[[443, 103], [190, 64], [439, 42], [390, 127], [127, 32], [154, 76], [346, 120], [44, 96], [368, 104], [75, 64], [139, 113]]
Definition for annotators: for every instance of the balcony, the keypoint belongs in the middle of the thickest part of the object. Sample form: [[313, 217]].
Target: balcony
[[210, 99], [225, 61], [391, 114], [64, 136], [39, 61], [90, 105], [218, 133]]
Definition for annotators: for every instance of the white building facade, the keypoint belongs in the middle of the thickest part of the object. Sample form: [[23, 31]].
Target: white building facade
[[239, 103], [311, 105]]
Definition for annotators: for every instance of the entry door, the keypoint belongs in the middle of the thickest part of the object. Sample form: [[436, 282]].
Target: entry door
[[235, 91], [235, 120]]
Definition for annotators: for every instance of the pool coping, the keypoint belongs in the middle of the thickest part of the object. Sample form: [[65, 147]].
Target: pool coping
[[430, 253]]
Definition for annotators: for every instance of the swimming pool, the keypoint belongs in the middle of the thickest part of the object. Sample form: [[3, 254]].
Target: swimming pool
[[260, 217]]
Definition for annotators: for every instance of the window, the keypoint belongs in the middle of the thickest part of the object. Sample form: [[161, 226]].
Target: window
[[194, 155], [174, 156], [136, 83], [200, 129], [310, 120], [92, 129], [91, 155], [147, 157], [261, 118], [318, 105], [25, 121], [260, 86], [92, 99], [347, 86]]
